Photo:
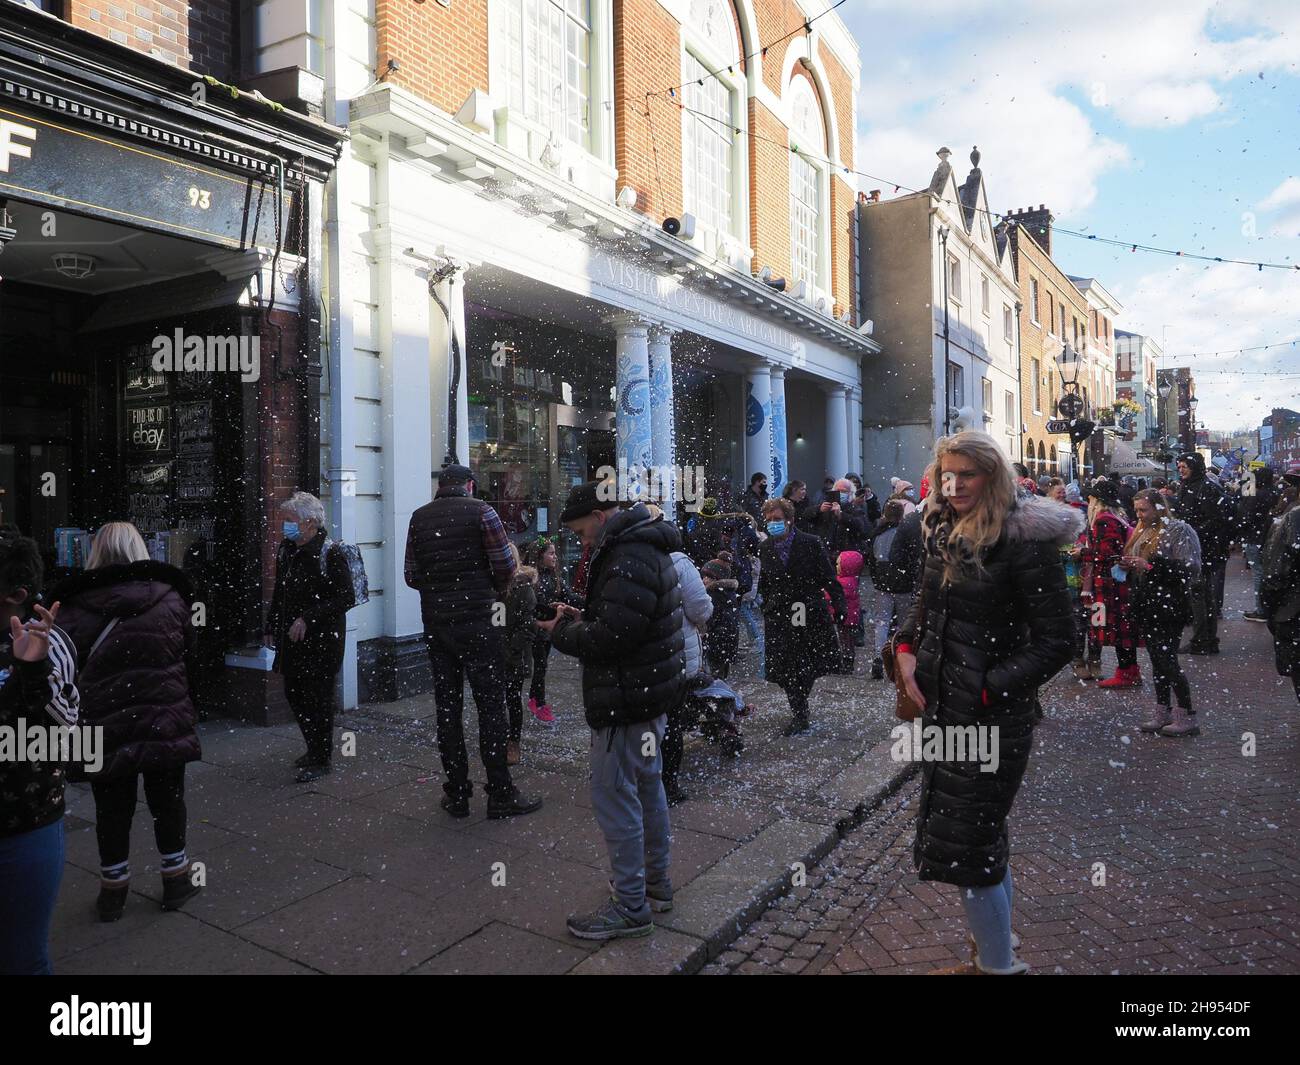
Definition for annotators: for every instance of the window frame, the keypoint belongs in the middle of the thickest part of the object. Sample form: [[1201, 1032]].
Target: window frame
[[954, 279], [1008, 323], [1035, 291], [1036, 369], [986, 296], [819, 285]]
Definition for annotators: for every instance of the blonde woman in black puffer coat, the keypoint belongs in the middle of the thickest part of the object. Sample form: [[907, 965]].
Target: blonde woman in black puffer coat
[[990, 625]]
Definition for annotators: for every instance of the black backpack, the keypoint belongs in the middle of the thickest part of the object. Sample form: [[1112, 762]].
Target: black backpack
[[356, 569], [885, 575]]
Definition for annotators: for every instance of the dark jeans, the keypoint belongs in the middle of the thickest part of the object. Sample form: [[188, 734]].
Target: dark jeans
[[541, 654], [31, 869], [674, 743], [164, 791], [1206, 604], [1165, 669], [480, 654], [515, 702], [1126, 657], [310, 693]]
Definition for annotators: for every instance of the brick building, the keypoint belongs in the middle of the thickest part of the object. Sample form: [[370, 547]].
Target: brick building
[[574, 234], [1051, 312], [1137, 358], [938, 281], [196, 214]]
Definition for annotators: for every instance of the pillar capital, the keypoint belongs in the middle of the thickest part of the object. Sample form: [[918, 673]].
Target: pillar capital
[[628, 323], [661, 332]]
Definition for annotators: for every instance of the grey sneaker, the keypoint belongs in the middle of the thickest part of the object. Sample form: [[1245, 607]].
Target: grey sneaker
[[608, 923], [659, 896]]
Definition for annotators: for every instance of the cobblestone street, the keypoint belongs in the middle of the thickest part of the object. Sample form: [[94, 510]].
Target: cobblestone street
[[1196, 837]]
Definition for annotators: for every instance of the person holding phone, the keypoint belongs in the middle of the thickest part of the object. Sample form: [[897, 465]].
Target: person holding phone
[[990, 624]]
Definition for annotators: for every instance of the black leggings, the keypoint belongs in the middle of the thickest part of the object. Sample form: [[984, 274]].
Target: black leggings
[[1126, 656], [164, 791], [515, 702], [541, 653], [1165, 670], [797, 694]]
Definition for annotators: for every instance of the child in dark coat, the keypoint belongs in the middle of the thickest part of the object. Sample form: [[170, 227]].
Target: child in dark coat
[[521, 626], [723, 636]]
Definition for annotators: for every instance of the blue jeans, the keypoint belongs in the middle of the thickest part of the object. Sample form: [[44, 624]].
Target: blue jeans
[[1254, 554], [753, 622], [31, 869], [988, 912]]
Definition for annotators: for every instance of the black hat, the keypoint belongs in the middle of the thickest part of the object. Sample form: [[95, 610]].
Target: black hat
[[585, 498], [1195, 460], [454, 474], [1104, 490]]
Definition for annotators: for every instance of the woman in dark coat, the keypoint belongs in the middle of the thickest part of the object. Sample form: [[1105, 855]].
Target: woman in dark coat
[[1163, 561], [795, 575], [551, 590], [307, 626], [130, 618], [990, 625]]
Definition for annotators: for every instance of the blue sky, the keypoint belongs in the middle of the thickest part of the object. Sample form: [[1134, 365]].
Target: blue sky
[[1141, 121]]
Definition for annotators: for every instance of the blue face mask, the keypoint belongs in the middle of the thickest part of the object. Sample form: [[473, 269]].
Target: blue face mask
[[776, 528], [844, 498], [1118, 573], [291, 530]]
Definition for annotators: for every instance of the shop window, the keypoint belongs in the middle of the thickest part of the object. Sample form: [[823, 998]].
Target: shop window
[[547, 56]]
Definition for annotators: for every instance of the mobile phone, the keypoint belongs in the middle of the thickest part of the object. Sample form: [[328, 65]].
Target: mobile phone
[[830, 496], [547, 613]]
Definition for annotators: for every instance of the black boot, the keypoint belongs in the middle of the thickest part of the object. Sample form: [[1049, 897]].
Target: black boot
[[457, 807], [877, 669], [178, 889], [112, 900], [799, 724], [516, 804]]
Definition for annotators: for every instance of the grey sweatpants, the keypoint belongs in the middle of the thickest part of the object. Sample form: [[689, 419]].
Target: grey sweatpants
[[627, 797]]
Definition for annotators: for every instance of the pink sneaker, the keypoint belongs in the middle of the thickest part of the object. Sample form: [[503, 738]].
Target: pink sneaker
[[542, 713], [532, 707]]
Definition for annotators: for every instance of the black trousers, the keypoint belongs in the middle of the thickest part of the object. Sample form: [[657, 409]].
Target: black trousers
[[164, 791], [1206, 603], [1126, 657], [479, 653], [1166, 671], [541, 655], [515, 702], [310, 692], [797, 694]]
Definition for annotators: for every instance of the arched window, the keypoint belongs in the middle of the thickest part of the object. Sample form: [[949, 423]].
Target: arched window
[[546, 50], [712, 129], [1030, 460], [1042, 460], [807, 184]]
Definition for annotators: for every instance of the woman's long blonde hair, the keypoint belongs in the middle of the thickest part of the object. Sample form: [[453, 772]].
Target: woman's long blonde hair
[[1145, 538], [116, 543], [970, 536]]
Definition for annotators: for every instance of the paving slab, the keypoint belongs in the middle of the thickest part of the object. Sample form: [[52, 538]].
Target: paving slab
[[663, 951], [501, 948]]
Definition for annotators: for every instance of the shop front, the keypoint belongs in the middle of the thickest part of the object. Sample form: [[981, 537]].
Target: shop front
[[159, 330]]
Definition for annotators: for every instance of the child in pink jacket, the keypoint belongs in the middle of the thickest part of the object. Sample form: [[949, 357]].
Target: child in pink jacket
[[849, 567]]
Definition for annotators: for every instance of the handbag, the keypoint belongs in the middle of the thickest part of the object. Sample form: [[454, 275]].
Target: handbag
[[905, 708]]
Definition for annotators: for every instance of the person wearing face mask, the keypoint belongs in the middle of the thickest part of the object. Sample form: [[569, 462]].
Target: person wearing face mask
[[801, 640], [306, 625], [755, 496], [840, 522]]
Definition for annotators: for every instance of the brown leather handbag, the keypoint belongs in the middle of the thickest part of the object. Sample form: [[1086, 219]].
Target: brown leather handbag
[[905, 708]]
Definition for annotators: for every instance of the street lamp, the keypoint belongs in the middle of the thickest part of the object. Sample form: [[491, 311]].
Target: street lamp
[[1164, 388], [1191, 418]]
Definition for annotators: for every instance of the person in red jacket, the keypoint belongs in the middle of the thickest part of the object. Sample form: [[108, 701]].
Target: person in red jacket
[[1106, 587]]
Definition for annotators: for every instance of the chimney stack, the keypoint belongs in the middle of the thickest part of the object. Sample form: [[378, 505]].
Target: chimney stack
[[1037, 223]]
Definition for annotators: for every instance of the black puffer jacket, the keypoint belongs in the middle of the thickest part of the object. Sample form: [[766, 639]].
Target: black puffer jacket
[[321, 599], [1007, 631], [1202, 505], [630, 638], [135, 685]]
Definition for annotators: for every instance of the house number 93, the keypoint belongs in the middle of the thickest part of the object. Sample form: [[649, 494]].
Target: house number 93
[[200, 198]]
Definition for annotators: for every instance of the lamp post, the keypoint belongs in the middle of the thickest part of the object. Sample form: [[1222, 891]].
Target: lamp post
[[1164, 389], [1191, 420]]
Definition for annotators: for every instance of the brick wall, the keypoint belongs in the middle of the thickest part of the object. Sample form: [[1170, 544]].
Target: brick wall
[[769, 183], [646, 47], [196, 34], [281, 404], [443, 52]]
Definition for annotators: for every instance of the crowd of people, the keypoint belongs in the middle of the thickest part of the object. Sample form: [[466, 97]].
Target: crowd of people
[[983, 582]]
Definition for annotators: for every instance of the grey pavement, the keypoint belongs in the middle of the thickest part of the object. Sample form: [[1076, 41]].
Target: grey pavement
[[363, 872]]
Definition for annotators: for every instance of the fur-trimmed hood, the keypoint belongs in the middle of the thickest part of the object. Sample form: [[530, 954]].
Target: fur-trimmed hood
[[1038, 518]]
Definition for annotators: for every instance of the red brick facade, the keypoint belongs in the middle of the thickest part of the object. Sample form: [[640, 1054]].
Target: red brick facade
[[196, 34], [443, 56]]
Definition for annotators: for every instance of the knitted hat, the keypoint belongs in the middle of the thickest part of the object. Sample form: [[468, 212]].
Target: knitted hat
[[716, 570]]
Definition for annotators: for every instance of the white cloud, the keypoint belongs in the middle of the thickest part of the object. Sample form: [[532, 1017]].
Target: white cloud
[[1286, 194], [1223, 309]]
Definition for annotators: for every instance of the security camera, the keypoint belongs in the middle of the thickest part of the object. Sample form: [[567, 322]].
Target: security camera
[[683, 227], [765, 276], [626, 197]]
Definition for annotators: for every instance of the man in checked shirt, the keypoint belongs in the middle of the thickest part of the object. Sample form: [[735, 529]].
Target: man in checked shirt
[[458, 558]]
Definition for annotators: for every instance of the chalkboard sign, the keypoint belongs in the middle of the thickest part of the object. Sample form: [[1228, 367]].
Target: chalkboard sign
[[154, 478], [142, 380], [194, 428], [148, 430]]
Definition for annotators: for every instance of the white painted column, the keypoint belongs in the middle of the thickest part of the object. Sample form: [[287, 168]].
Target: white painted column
[[758, 427], [837, 431], [632, 414], [780, 443], [853, 399], [663, 442]]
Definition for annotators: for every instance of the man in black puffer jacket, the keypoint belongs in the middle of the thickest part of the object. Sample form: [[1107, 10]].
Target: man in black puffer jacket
[[630, 641], [1202, 505]]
